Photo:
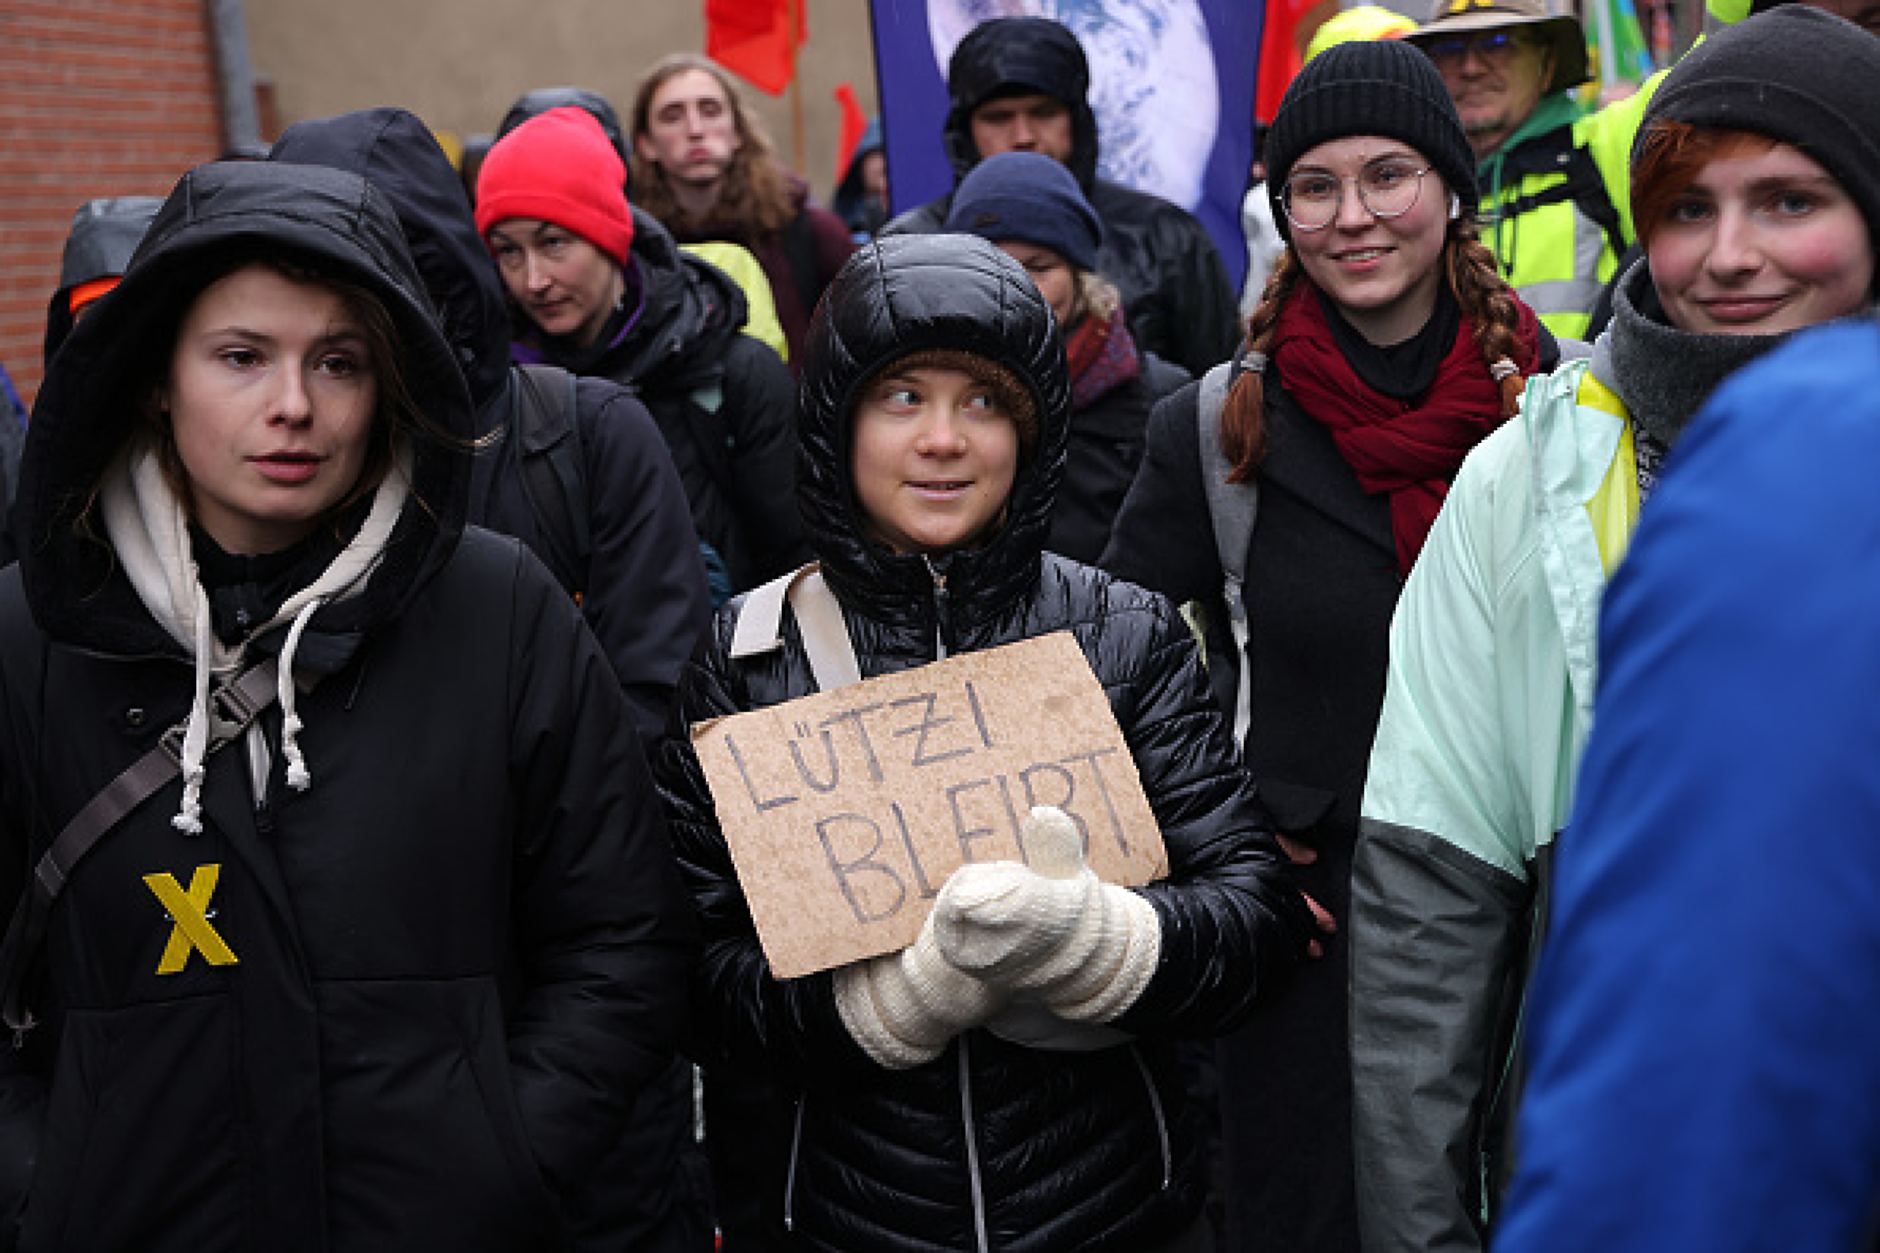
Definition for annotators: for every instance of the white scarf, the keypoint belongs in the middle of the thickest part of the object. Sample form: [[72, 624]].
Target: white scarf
[[150, 534]]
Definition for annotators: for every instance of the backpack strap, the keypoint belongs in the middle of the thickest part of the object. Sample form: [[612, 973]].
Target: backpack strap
[[1555, 152], [818, 618], [232, 707], [1233, 509], [554, 472]]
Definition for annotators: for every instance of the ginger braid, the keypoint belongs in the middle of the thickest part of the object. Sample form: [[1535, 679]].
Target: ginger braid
[[1243, 417], [1489, 304]]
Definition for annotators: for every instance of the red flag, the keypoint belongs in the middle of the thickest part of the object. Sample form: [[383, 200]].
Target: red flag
[[757, 39], [1279, 53], [854, 122]]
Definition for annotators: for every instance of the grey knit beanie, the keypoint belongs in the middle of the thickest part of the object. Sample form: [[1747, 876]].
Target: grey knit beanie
[[1796, 74]]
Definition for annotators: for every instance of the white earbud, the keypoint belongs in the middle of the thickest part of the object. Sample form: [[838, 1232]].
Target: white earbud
[[1455, 206]]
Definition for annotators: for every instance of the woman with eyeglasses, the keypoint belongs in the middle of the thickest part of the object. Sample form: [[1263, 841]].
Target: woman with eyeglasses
[[1384, 348], [1756, 189]]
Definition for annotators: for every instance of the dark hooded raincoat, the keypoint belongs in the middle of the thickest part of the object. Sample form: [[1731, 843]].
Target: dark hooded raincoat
[[458, 953]]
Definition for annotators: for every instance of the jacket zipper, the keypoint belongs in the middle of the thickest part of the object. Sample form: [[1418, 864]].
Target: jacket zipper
[[981, 1241], [1161, 1117], [789, 1178], [941, 608]]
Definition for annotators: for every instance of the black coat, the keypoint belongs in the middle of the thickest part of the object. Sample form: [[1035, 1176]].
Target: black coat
[[643, 587], [1093, 1150], [1181, 303], [724, 402], [1321, 583], [459, 952], [1105, 449]]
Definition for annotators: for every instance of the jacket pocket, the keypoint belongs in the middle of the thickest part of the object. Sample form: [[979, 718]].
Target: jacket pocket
[[143, 1144], [425, 1142]]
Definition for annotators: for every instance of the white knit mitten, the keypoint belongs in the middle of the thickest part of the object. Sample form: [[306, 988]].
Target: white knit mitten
[[903, 1007], [1002, 920], [1051, 931]]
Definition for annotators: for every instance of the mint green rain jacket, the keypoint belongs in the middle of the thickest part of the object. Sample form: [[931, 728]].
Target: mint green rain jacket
[[1487, 704]]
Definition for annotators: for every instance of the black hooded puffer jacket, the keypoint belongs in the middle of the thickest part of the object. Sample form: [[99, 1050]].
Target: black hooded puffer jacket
[[459, 951], [1176, 291], [993, 1145]]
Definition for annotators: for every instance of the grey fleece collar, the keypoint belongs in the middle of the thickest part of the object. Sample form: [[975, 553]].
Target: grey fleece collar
[[1661, 373]]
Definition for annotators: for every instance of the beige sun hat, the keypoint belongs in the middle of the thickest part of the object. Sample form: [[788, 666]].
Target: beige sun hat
[[1560, 31]]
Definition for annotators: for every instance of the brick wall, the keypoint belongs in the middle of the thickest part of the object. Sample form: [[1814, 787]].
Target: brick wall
[[97, 98]]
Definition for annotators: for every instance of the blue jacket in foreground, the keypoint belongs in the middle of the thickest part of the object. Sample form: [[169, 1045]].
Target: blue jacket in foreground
[[1706, 1034]]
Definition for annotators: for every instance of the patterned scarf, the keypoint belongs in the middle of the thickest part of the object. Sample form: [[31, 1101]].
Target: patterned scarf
[[1410, 450], [1102, 357]]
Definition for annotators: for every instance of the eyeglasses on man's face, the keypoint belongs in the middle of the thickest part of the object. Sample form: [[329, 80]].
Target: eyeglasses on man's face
[[1387, 189], [1495, 46]]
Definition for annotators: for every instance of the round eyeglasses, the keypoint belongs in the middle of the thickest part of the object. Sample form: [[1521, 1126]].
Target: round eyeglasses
[[1386, 189]]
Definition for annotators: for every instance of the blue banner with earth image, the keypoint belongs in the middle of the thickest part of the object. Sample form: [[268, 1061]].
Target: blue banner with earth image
[[1172, 85]]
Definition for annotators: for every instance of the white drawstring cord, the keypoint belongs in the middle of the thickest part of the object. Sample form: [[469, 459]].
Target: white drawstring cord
[[196, 732], [298, 777]]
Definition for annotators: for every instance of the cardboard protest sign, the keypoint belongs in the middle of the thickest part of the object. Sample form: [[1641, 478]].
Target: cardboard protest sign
[[847, 810]]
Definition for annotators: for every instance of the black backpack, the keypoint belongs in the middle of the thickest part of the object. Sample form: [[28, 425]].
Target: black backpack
[[554, 468], [554, 477]]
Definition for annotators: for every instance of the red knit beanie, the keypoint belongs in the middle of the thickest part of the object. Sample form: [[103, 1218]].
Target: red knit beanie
[[560, 168]]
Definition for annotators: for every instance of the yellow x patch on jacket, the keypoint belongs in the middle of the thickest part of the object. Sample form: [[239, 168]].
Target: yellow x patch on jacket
[[190, 912]]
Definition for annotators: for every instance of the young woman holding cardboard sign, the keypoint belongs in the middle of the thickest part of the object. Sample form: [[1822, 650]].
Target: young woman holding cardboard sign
[[1008, 1081]]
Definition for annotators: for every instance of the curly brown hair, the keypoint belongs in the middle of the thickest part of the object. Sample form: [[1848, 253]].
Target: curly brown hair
[[755, 200], [1486, 300]]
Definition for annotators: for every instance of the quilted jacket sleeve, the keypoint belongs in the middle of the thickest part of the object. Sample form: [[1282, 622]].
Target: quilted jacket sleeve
[[741, 1013]]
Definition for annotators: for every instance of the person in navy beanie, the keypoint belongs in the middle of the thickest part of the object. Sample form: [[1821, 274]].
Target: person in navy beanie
[[1033, 209]]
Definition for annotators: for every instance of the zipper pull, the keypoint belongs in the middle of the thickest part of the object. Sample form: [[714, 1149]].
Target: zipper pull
[[940, 606]]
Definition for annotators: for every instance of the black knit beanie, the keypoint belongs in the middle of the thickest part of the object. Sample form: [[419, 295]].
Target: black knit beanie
[[1796, 74], [1369, 87], [1027, 196]]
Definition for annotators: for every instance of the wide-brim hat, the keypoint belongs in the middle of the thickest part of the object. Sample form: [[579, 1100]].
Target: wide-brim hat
[[1560, 32]]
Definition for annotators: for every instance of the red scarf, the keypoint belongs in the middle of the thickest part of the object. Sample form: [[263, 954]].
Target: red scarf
[[1409, 449], [1101, 355]]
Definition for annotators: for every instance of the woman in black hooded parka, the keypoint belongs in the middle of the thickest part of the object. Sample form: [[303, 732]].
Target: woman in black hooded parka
[[920, 1120], [388, 972]]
